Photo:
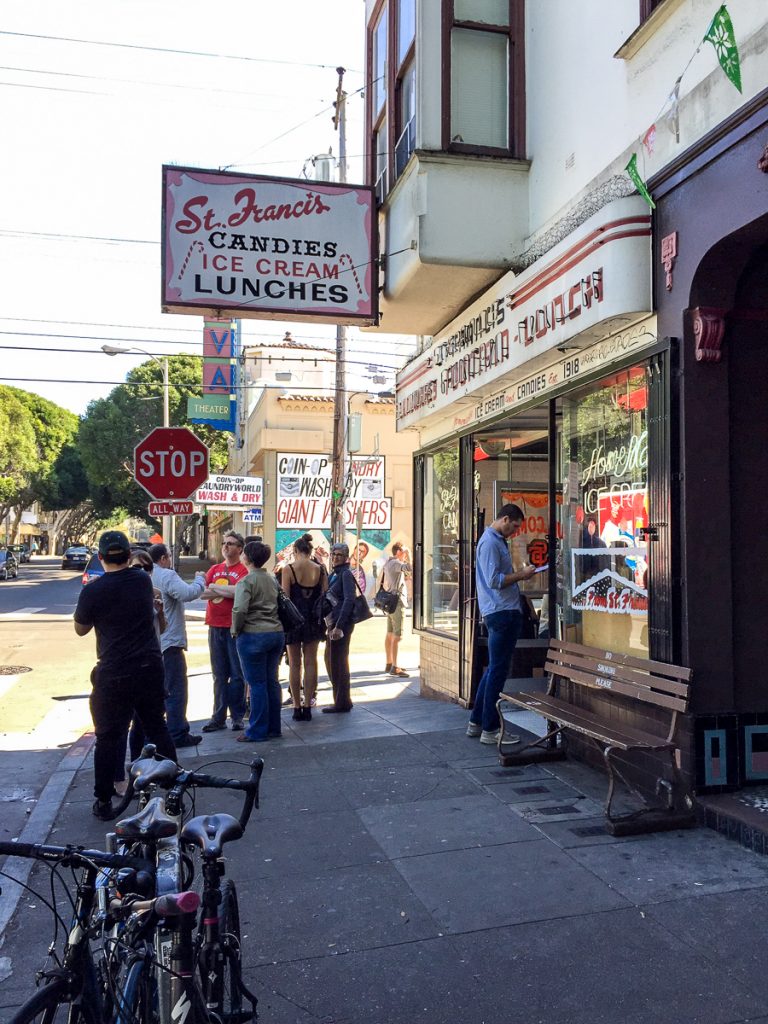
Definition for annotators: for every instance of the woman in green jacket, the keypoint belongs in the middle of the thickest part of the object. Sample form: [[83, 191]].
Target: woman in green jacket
[[260, 641]]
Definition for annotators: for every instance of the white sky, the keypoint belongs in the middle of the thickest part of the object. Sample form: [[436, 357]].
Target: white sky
[[85, 131]]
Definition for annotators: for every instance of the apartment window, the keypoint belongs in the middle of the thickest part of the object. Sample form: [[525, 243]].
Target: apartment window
[[484, 88], [392, 92], [647, 7]]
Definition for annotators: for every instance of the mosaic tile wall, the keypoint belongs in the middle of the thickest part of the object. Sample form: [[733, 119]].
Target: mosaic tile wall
[[731, 751]]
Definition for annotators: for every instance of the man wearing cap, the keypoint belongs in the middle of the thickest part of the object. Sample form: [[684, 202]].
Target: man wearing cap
[[128, 677], [173, 642]]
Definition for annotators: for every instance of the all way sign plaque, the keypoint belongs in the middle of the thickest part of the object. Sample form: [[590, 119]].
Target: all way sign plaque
[[170, 508]]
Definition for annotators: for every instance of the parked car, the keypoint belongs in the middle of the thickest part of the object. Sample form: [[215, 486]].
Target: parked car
[[9, 567], [75, 557], [93, 570], [21, 551]]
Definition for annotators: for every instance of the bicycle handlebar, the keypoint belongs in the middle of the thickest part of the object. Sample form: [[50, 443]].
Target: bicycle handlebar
[[76, 855], [177, 781], [170, 905]]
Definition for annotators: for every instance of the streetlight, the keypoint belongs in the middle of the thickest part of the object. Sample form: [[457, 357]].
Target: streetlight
[[117, 350]]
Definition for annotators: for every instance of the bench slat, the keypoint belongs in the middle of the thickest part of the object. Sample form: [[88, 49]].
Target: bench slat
[[611, 670], [614, 685], [657, 667], [584, 721]]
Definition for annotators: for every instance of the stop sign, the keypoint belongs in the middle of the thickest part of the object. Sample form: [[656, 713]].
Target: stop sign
[[170, 462]]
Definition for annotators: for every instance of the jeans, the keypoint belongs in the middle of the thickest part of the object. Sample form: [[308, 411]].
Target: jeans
[[228, 686], [337, 667], [115, 699], [260, 657], [175, 664], [503, 634]]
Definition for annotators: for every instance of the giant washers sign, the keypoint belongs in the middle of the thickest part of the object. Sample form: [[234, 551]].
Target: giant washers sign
[[599, 276], [239, 245]]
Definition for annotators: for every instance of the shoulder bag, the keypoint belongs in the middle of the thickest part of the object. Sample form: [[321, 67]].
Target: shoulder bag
[[385, 600], [361, 611], [289, 615]]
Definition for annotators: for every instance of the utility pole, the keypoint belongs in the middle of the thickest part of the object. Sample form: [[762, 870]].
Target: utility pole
[[339, 403]]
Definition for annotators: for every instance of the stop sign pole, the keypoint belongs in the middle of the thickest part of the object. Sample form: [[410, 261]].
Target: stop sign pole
[[170, 463]]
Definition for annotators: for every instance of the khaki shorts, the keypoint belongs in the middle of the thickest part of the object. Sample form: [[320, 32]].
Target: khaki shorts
[[395, 621]]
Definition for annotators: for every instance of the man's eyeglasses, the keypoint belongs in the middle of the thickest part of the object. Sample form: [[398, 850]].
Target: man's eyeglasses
[[230, 544]]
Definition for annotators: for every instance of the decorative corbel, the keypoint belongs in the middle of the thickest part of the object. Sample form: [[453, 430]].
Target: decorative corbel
[[762, 163], [708, 330], [668, 256]]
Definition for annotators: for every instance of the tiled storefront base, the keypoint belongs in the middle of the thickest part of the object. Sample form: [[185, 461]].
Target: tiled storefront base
[[439, 667]]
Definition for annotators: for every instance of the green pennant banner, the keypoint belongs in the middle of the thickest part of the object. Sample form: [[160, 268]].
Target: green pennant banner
[[638, 182], [720, 34]]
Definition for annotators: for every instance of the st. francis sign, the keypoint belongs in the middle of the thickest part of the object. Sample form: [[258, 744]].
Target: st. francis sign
[[235, 245]]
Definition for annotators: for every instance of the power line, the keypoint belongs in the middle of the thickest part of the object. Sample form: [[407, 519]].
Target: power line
[[138, 81], [319, 358], [294, 388], [141, 327], [168, 49]]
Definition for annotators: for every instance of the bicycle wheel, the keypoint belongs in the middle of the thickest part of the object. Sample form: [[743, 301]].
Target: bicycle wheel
[[229, 932], [133, 996], [52, 1005]]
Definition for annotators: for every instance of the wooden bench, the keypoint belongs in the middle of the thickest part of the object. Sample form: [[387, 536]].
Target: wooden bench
[[623, 681]]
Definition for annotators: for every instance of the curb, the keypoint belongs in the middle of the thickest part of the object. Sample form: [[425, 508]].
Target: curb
[[39, 825]]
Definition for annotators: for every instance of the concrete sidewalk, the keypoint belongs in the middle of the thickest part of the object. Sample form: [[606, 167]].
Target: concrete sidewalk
[[395, 873]]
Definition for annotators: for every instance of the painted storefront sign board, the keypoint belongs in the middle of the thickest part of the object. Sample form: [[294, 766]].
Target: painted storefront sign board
[[569, 369], [268, 248], [304, 492], [231, 491], [598, 278]]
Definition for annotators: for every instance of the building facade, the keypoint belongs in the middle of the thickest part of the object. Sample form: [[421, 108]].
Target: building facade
[[593, 359], [287, 440]]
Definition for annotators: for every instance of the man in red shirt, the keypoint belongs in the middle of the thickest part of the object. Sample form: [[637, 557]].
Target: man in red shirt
[[228, 685]]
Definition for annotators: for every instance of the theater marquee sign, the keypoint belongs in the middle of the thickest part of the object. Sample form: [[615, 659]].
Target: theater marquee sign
[[599, 277], [236, 245]]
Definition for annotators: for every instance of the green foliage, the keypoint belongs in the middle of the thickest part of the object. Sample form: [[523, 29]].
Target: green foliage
[[33, 433], [113, 426]]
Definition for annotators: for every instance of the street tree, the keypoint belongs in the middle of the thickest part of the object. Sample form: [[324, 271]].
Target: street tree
[[113, 426], [33, 433]]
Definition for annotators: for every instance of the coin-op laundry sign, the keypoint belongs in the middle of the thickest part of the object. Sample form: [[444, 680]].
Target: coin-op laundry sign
[[170, 462], [231, 491], [268, 248], [305, 492]]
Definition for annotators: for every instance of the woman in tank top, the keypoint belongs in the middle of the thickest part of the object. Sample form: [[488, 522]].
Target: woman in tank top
[[304, 581]]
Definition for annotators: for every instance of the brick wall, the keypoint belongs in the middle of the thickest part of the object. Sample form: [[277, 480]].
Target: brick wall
[[439, 667]]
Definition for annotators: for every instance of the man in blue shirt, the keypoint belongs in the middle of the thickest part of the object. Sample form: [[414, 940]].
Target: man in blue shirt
[[498, 599]]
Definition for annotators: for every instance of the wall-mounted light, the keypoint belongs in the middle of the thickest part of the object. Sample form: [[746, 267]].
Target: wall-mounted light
[[283, 375]]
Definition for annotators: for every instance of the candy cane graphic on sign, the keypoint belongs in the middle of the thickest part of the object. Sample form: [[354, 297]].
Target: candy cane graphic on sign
[[184, 265], [345, 256]]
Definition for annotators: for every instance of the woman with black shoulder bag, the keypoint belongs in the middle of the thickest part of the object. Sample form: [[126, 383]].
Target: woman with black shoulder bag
[[339, 611], [304, 581]]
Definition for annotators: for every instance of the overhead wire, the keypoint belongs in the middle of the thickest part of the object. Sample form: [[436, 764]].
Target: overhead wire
[[172, 50]]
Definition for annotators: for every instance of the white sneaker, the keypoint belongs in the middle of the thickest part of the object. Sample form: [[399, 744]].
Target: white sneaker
[[474, 730], [493, 737]]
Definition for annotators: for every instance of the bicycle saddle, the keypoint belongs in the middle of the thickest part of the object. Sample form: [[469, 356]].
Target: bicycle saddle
[[151, 823], [211, 831], [150, 772]]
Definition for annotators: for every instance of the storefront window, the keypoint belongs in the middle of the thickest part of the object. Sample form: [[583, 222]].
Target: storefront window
[[602, 580], [440, 560]]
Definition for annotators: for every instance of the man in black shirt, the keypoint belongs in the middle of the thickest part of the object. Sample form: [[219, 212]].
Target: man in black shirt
[[128, 677]]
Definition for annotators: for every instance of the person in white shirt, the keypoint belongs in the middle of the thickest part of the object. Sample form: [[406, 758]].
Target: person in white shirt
[[173, 642]]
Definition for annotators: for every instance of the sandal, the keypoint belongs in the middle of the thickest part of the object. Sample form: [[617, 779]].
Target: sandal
[[394, 671]]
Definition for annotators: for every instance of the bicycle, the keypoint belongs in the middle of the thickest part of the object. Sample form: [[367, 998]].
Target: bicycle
[[78, 989], [158, 831]]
